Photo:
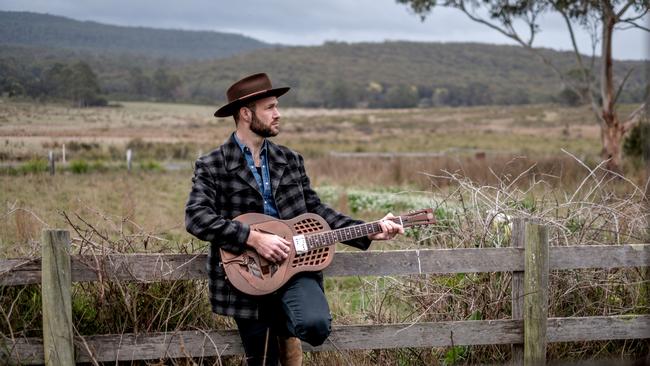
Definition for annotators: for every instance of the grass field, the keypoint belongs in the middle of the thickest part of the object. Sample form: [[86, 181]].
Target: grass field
[[507, 136], [29, 129], [508, 159], [490, 145]]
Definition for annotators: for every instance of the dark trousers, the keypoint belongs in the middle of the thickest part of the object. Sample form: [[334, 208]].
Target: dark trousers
[[298, 309]]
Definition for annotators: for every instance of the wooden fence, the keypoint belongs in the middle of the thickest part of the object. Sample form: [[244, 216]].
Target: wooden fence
[[528, 331]]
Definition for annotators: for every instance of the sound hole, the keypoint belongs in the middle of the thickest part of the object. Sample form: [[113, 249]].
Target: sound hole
[[312, 258], [253, 267], [307, 226]]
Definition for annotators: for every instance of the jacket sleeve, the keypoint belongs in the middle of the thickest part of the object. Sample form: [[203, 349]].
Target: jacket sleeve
[[335, 219], [202, 214]]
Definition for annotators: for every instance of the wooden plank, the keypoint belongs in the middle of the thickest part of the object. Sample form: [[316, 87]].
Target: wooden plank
[[140, 267], [156, 267], [21, 351], [409, 262], [21, 271], [122, 267], [225, 343], [535, 294], [598, 328], [109, 348], [517, 288], [161, 345], [440, 334], [57, 301], [600, 256]]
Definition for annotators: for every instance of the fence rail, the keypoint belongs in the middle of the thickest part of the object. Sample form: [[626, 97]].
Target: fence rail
[[528, 329], [126, 347], [167, 267]]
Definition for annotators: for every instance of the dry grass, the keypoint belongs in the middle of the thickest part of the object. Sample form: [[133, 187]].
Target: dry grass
[[416, 173], [30, 129], [522, 173], [153, 201], [599, 210]]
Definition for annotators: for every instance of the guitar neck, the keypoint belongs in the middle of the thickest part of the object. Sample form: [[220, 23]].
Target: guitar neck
[[321, 239]]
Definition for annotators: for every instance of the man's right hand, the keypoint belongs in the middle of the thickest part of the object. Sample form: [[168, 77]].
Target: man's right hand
[[272, 247]]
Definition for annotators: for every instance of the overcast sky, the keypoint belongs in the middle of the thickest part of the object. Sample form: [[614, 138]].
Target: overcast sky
[[299, 22]]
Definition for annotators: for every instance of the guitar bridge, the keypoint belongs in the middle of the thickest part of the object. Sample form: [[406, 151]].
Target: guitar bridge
[[300, 244]]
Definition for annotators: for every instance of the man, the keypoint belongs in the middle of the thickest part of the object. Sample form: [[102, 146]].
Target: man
[[249, 173]]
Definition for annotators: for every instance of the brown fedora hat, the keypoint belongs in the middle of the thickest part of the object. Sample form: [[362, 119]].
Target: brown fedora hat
[[250, 88]]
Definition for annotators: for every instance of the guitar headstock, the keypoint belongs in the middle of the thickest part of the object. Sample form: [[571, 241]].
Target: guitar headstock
[[419, 217]]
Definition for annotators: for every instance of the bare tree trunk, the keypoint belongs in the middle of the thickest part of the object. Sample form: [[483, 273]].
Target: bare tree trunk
[[611, 130], [612, 134]]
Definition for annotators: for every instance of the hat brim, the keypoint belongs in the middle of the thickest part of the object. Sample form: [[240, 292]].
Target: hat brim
[[230, 108]]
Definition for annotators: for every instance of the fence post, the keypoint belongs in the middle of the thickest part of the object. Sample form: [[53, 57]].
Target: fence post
[[57, 303], [50, 160], [129, 155], [517, 240], [535, 294]]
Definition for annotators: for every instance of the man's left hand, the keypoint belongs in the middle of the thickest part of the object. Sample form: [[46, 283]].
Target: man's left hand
[[388, 229]]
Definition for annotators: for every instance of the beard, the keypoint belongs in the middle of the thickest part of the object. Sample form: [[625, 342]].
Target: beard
[[260, 128]]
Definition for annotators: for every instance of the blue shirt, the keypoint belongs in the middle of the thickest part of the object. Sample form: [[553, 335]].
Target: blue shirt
[[264, 181]]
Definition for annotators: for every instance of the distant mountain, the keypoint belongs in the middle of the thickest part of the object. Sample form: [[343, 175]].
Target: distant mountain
[[144, 63], [43, 30], [445, 73]]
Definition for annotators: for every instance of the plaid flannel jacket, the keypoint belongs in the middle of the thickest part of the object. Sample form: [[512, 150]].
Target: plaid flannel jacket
[[224, 188]]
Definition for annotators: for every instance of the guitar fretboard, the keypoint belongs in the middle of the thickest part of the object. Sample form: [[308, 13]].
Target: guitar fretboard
[[331, 237]]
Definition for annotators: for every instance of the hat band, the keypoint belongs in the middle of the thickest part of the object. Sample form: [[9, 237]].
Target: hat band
[[250, 95]]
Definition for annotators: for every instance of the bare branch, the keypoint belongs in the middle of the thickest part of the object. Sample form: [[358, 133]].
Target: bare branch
[[638, 16], [593, 34], [532, 26], [620, 87], [633, 118], [624, 9], [503, 31], [633, 25], [583, 70], [576, 51]]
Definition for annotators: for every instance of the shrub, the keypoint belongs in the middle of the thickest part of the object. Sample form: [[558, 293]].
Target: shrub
[[34, 166], [150, 165], [79, 166], [637, 143], [98, 166]]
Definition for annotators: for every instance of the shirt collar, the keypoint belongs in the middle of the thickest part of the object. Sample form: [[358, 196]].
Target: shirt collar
[[245, 148]]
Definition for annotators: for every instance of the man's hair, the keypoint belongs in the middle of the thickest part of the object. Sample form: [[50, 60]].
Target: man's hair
[[249, 105]]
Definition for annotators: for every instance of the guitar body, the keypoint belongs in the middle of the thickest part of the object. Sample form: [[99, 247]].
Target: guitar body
[[254, 275]]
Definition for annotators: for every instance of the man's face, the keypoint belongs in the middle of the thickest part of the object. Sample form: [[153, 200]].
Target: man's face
[[265, 120]]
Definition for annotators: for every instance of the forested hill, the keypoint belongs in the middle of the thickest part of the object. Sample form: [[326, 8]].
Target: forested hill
[[37, 52], [398, 74], [32, 29]]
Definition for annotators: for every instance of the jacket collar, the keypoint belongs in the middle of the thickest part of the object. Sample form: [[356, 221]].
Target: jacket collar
[[234, 157], [235, 160]]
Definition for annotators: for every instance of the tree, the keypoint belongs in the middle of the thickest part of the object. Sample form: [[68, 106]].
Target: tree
[[56, 81], [339, 95], [599, 17], [401, 96], [139, 83], [165, 84], [82, 85]]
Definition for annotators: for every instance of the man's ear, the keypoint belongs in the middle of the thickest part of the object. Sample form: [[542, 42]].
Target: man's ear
[[245, 113]]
